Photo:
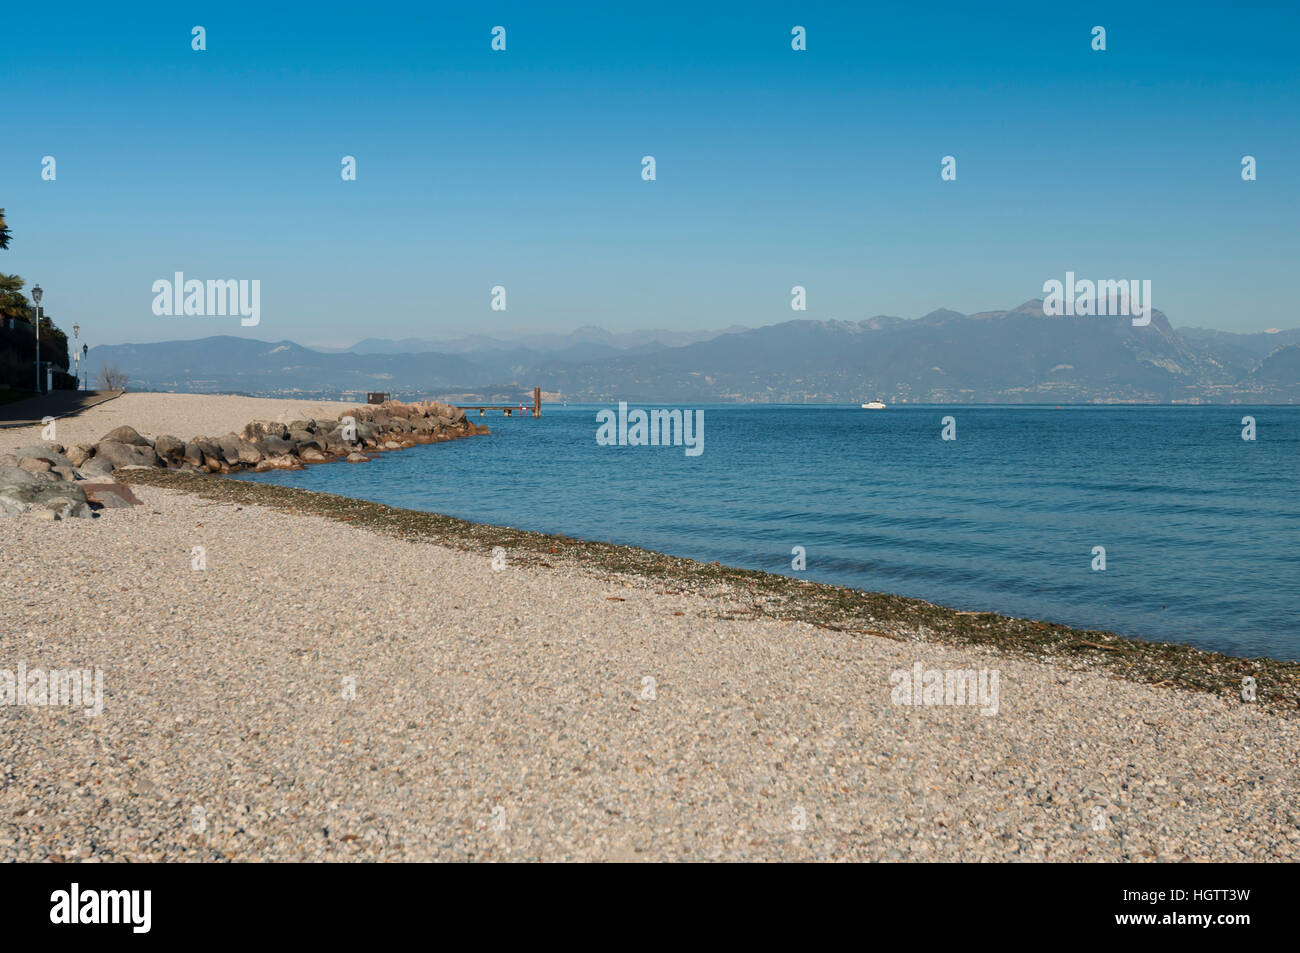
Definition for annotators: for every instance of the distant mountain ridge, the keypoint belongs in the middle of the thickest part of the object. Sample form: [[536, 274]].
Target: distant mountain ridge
[[243, 365], [587, 339], [1020, 355]]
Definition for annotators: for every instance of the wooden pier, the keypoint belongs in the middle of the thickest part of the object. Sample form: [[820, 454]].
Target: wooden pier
[[509, 409]]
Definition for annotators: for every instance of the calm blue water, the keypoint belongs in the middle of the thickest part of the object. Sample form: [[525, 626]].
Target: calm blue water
[[1201, 528]]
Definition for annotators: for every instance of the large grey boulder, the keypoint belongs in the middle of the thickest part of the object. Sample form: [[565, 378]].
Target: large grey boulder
[[44, 452], [228, 445], [16, 476], [204, 454], [63, 499], [336, 441], [45, 446], [170, 450], [127, 435], [125, 454], [273, 445], [64, 508], [303, 439], [93, 467]]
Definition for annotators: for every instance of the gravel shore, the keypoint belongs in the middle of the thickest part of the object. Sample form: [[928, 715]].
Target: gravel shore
[[323, 691], [505, 714]]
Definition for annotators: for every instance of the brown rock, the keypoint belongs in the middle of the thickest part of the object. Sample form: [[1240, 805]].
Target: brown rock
[[258, 429], [99, 493], [355, 457], [170, 449], [78, 454]]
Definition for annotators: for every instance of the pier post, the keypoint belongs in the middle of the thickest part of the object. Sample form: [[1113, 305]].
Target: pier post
[[537, 402]]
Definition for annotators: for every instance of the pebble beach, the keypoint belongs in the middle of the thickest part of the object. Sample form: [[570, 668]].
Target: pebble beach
[[321, 691]]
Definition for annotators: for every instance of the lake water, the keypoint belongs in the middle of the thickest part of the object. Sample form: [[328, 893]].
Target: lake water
[[1201, 528]]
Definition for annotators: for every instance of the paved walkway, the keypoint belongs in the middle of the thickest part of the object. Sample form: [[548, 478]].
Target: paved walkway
[[58, 403]]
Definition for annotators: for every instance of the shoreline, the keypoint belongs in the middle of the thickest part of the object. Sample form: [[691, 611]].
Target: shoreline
[[345, 687], [824, 605]]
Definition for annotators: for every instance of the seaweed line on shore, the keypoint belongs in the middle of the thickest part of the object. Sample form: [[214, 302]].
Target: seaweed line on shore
[[824, 605]]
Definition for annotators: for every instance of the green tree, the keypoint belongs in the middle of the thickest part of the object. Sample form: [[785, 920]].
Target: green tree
[[13, 303], [18, 350]]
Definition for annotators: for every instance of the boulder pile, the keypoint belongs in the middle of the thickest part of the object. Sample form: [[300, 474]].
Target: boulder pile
[[51, 481]]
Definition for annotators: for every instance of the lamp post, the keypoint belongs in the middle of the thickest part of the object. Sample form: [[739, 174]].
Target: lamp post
[[76, 354], [84, 349], [37, 293]]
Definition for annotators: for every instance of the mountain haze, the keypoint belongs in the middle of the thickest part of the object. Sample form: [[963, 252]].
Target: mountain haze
[[1016, 356]]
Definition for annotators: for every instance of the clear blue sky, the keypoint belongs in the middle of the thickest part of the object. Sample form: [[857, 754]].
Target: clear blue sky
[[522, 168]]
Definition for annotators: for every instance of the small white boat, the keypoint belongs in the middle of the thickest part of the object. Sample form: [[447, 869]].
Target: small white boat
[[874, 405]]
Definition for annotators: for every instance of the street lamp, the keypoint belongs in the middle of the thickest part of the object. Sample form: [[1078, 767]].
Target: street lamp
[[76, 355], [37, 293], [84, 349]]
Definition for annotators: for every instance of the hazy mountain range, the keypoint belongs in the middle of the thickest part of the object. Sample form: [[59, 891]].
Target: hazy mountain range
[[1015, 356]]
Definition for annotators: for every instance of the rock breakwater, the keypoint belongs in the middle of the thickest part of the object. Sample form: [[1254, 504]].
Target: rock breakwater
[[52, 481]]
